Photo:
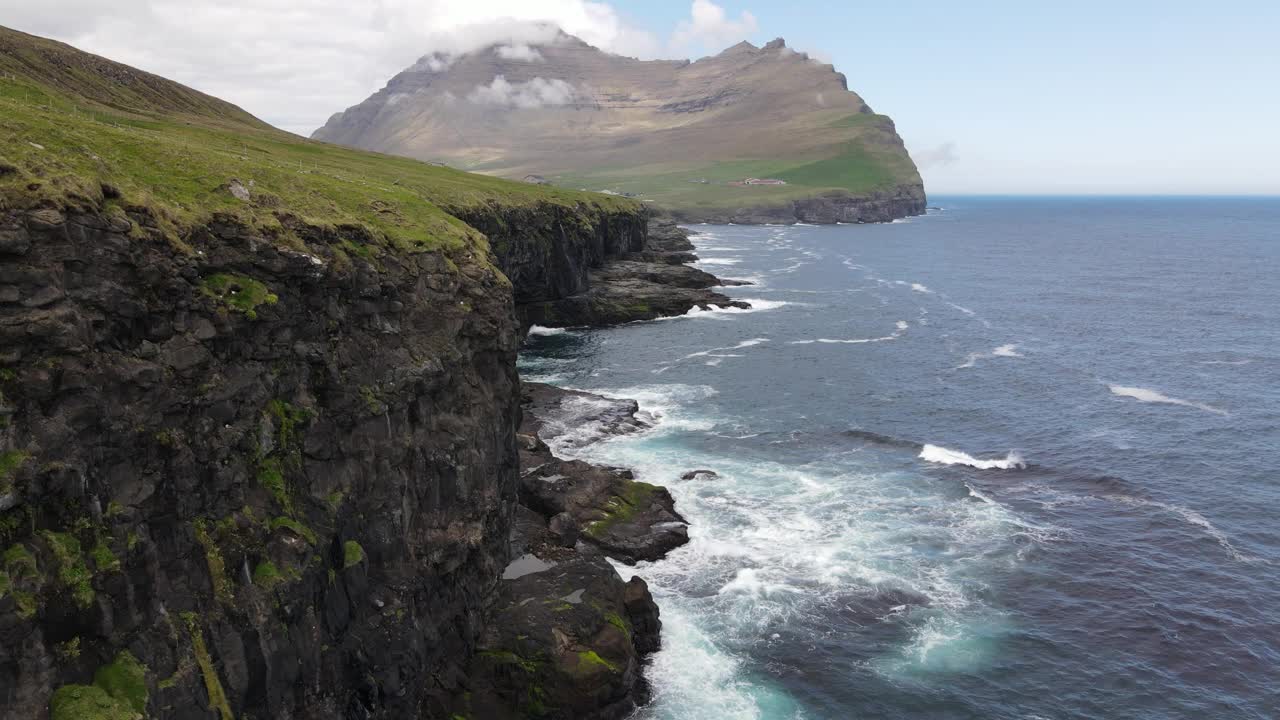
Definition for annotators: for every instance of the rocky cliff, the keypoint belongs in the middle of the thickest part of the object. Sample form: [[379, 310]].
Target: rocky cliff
[[686, 136], [258, 424], [212, 469]]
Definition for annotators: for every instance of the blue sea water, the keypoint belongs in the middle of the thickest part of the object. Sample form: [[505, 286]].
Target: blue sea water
[[1013, 459]]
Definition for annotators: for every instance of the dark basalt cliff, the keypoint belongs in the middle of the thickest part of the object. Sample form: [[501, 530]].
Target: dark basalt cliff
[[238, 480], [875, 207], [280, 482]]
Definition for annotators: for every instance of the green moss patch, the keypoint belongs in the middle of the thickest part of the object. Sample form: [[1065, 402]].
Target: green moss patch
[[616, 620], [213, 685], [621, 508], [88, 702], [125, 678], [222, 589], [295, 527], [103, 559], [267, 575], [271, 478], [589, 659], [11, 461], [352, 554], [118, 692], [72, 571], [240, 293], [506, 657]]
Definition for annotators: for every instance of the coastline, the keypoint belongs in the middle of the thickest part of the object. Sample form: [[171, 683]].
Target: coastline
[[567, 634]]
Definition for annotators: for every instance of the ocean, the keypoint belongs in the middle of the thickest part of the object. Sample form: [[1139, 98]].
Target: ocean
[[1016, 458]]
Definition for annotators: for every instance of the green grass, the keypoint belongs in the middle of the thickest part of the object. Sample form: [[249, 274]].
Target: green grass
[[171, 150], [125, 679], [849, 168], [240, 293], [295, 527], [267, 575], [854, 169]]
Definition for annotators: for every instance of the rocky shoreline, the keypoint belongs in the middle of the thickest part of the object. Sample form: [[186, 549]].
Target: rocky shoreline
[[567, 636]]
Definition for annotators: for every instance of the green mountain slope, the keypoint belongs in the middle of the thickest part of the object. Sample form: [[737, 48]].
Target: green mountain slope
[[681, 135], [74, 126]]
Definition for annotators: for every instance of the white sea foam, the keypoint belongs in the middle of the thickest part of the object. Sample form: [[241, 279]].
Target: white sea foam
[[901, 326], [539, 331], [744, 344], [962, 309], [719, 261], [1223, 362], [1009, 350], [757, 305], [1147, 395], [921, 288], [947, 456], [1194, 518], [776, 549]]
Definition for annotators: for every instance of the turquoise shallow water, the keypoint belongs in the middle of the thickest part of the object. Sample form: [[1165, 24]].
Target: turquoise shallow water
[[1014, 459]]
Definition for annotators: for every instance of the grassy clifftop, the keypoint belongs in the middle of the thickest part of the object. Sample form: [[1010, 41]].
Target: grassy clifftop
[[79, 129]]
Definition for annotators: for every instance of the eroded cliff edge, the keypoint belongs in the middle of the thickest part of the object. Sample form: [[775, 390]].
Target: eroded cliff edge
[[260, 481]]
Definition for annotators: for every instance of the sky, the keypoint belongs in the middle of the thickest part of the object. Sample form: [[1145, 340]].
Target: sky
[[991, 96]]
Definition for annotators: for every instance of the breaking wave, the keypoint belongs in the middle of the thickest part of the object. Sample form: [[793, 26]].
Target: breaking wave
[[947, 456], [1147, 395]]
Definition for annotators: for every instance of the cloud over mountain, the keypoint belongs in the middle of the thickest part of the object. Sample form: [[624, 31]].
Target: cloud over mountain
[[294, 63]]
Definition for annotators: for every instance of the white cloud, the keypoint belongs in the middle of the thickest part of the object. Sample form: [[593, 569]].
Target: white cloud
[[940, 156], [295, 62], [710, 27], [538, 92], [519, 52]]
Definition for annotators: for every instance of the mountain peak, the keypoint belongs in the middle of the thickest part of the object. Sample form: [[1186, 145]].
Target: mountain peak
[[776, 44], [742, 47]]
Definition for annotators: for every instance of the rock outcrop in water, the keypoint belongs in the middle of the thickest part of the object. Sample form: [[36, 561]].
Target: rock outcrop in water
[[647, 282]]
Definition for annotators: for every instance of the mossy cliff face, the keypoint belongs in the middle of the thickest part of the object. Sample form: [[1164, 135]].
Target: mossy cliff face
[[280, 480]]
